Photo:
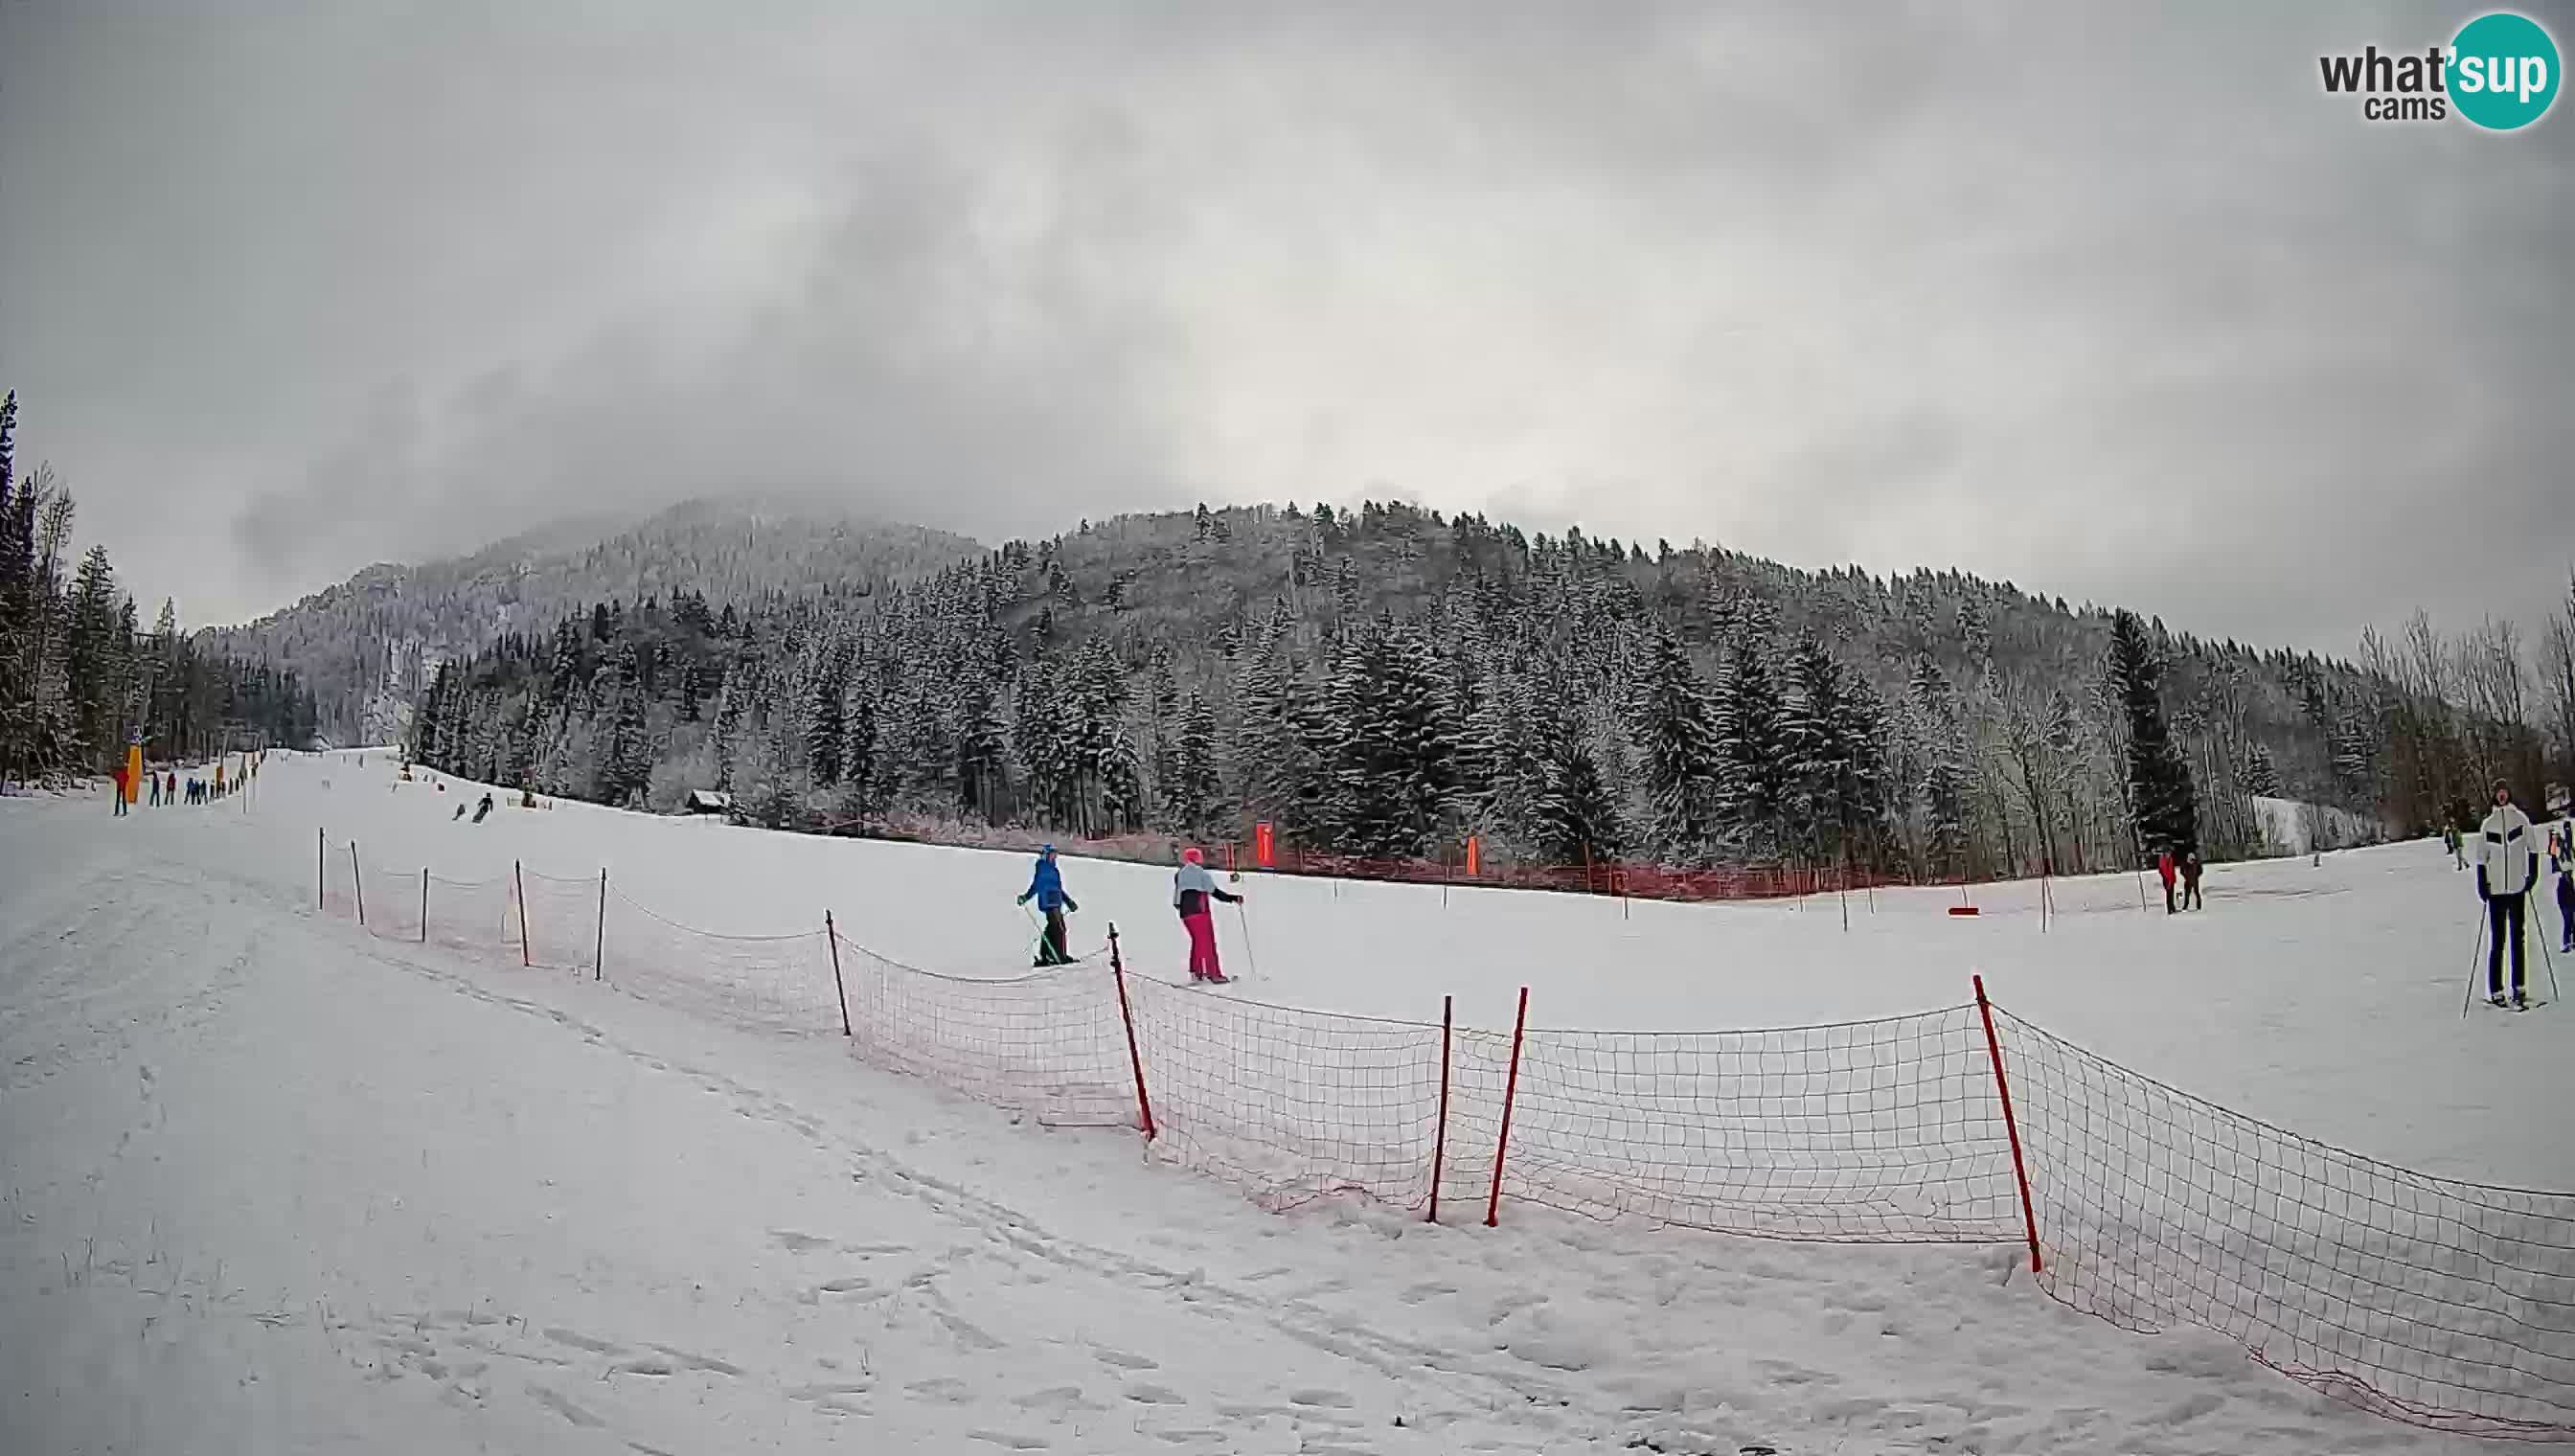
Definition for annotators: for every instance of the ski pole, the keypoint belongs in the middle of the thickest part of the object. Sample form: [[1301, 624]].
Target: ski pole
[[2474, 956], [1251, 959], [2547, 957]]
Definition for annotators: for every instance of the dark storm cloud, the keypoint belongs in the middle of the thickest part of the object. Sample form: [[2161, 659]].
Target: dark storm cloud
[[2111, 302]]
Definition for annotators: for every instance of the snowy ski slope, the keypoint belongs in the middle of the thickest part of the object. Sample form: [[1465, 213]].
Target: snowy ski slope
[[277, 1186]]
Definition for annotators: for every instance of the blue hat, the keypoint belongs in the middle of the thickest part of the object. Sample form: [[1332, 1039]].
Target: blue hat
[[1046, 848]]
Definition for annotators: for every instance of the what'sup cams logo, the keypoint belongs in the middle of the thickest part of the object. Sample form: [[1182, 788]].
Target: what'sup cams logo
[[2500, 72]]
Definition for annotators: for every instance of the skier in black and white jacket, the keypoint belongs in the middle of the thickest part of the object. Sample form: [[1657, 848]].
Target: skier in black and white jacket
[[2507, 868]]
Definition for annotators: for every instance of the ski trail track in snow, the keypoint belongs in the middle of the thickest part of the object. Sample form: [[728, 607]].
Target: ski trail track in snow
[[272, 1186]]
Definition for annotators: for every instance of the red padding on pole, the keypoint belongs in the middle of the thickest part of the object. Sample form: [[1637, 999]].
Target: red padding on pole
[[1134, 1057], [1510, 1092], [1440, 1141], [833, 935], [2011, 1127]]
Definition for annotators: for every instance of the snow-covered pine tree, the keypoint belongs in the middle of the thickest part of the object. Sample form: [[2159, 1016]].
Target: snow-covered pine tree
[[90, 656], [1113, 790], [1754, 742], [1815, 723], [1673, 724], [1191, 798], [625, 760], [983, 750], [1162, 727], [2261, 773], [1391, 765], [2168, 815], [863, 776], [423, 746], [1574, 820]]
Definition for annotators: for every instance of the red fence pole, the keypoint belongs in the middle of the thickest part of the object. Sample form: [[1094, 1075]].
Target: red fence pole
[[833, 936], [2020, 1169], [1134, 1057], [599, 950], [1440, 1143], [526, 956], [424, 904], [358, 881], [1510, 1094]]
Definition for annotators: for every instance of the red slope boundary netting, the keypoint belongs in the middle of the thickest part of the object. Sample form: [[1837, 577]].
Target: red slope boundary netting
[[1048, 1044], [2442, 1304], [1295, 1105], [1878, 1131], [774, 982]]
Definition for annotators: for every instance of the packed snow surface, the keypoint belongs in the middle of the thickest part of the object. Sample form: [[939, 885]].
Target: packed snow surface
[[273, 1185]]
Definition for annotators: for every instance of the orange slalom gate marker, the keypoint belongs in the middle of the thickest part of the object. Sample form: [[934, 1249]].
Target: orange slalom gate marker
[[1473, 859], [1264, 846]]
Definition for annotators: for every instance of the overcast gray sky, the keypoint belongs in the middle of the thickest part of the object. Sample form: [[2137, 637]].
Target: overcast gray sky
[[2107, 300]]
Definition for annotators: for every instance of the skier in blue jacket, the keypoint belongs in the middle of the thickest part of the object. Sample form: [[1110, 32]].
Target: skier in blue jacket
[[1045, 886]]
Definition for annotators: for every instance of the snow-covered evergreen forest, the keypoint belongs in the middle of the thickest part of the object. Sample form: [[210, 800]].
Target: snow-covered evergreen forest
[[367, 645], [1385, 682], [80, 681]]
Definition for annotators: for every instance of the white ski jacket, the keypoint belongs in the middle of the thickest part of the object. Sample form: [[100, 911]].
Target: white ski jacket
[[2507, 852]]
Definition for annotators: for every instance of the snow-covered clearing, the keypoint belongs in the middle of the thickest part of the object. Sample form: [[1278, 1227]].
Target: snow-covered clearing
[[274, 1184]]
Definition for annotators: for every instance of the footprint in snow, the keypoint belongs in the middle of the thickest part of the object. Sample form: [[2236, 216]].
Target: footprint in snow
[[563, 1407], [1154, 1395], [824, 1393], [580, 1341], [707, 1363], [1334, 1399], [1123, 1360], [798, 1243]]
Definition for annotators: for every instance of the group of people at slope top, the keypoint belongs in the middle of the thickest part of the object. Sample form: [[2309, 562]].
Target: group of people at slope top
[[2185, 869], [1194, 895], [2507, 871]]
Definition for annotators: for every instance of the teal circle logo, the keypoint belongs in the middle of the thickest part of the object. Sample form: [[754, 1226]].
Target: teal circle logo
[[2503, 71]]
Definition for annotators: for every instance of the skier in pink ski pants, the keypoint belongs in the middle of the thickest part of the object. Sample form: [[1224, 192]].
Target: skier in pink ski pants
[[1191, 889]]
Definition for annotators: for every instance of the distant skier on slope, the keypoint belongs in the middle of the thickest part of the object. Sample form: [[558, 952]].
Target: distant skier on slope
[[2190, 867], [1045, 886], [2507, 870], [480, 810], [2566, 907], [1191, 890], [2164, 869]]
